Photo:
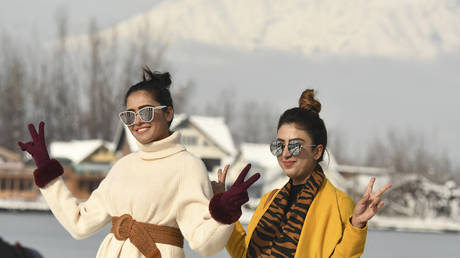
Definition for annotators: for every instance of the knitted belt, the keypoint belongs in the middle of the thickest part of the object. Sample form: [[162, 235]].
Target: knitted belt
[[144, 235]]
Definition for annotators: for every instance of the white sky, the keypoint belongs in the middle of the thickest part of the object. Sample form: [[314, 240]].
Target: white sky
[[361, 96]]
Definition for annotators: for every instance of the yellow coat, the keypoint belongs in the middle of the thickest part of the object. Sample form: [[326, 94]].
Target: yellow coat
[[327, 231]]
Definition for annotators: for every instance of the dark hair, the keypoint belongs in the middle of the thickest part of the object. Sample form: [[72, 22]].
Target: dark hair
[[156, 84], [306, 116]]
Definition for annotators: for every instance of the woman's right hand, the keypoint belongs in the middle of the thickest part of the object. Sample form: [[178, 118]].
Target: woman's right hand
[[37, 147], [219, 187], [47, 169]]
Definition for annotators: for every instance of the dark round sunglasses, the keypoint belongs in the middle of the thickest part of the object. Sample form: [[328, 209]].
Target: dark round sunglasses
[[294, 147]]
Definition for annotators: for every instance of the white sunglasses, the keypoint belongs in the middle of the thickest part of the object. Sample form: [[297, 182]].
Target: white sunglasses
[[146, 114]]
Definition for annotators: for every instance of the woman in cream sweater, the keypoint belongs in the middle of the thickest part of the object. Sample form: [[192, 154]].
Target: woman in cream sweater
[[154, 198]]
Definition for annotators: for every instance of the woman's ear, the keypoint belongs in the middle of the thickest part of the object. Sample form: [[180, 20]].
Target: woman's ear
[[169, 114], [318, 151]]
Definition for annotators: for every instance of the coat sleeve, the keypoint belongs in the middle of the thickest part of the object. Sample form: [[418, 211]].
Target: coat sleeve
[[79, 219], [237, 244], [353, 239], [204, 235]]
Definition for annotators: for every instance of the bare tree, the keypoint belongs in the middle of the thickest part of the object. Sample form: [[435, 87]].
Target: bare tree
[[101, 113], [407, 153], [76, 97], [338, 145], [256, 123], [147, 47], [12, 84], [181, 95], [64, 96]]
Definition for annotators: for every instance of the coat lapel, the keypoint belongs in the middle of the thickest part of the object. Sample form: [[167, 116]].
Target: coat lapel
[[322, 229]]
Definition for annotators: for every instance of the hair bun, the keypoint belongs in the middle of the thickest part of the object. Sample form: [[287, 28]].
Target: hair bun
[[164, 79], [307, 101]]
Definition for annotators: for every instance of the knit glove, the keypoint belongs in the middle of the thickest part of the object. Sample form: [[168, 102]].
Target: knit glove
[[226, 207], [47, 169]]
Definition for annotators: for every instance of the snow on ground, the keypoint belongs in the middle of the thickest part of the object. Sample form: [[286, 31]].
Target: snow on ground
[[414, 224], [22, 205]]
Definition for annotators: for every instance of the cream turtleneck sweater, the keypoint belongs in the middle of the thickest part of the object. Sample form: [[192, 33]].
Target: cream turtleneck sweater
[[162, 184]]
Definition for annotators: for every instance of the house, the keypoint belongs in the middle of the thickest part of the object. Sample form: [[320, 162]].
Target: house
[[86, 156], [206, 137], [85, 162], [16, 181], [9, 160], [358, 178]]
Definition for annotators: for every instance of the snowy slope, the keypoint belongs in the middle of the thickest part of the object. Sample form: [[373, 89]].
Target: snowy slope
[[388, 28]]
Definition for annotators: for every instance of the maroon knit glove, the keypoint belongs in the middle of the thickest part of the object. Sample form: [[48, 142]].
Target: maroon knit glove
[[226, 207], [47, 169]]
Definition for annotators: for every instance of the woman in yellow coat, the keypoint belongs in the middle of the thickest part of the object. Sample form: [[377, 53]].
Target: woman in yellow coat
[[308, 217]]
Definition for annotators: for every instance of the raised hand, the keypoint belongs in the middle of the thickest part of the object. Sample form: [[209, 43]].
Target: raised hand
[[47, 169], [37, 147], [369, 205], [226, 207], [219, 187]]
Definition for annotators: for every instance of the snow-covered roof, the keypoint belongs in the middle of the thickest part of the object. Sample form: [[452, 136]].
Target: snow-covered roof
[[9, 155], [77, 150], [259, 154], [264, 162], [213, 127], [364, 170], [178, 119], [330, 168]]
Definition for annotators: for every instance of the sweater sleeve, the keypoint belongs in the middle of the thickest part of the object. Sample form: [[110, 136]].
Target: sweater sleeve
[[204, 235], [353, 239], [79, 219]]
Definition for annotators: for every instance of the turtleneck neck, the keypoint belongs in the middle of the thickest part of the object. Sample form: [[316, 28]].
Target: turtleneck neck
[[162, 148]]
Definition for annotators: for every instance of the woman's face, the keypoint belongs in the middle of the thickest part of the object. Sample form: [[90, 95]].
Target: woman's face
[[158, 128], [299, 167]]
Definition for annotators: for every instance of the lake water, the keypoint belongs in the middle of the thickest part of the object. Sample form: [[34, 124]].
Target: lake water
[[42, 232]]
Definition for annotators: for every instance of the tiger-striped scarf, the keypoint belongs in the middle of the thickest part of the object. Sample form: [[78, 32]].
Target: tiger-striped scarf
[[278, 231]]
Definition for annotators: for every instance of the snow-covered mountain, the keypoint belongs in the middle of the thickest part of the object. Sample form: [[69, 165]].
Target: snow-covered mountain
[[362, 55], [382, 28]]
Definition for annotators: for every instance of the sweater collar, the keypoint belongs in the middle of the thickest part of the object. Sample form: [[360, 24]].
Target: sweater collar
[[162, 148]]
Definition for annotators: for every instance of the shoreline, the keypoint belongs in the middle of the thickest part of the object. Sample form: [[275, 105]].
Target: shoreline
[[381, 223]]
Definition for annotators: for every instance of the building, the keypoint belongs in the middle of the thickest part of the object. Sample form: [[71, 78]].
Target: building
[[206, 137], [16, 180], [358, 178], [85, 162]]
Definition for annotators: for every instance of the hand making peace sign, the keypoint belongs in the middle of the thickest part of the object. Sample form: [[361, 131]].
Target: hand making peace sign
[[368, 206], [37, 147]]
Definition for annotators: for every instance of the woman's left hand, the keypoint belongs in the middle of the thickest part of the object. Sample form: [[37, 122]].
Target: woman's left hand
[[219, 187], [368, 206]]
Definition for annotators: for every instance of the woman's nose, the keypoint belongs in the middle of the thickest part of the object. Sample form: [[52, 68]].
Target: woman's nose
[[137, 119], [286, 152]]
